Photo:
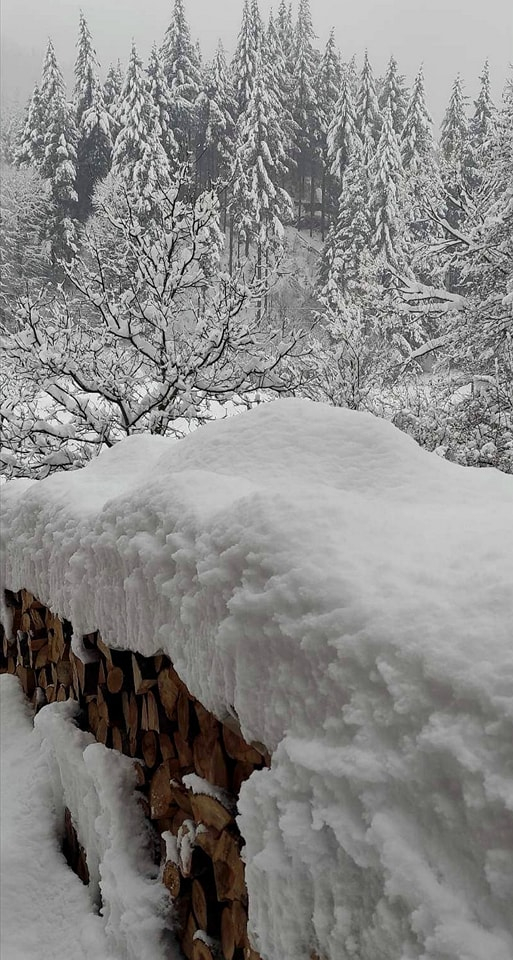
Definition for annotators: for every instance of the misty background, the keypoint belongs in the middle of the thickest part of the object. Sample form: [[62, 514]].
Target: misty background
[[448, 36]]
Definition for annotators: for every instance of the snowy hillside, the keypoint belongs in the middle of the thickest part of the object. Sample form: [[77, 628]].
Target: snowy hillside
[[348, 597]]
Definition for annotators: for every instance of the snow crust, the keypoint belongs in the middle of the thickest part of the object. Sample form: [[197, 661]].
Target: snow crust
[[349, 597]]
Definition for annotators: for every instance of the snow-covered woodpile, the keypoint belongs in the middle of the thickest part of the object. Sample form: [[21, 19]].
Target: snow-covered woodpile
[[189, 765]]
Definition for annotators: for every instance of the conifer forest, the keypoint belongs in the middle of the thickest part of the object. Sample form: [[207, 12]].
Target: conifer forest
[[181, 238]]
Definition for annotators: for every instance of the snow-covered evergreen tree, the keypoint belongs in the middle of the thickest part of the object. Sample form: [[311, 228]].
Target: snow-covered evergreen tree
[[113, 86], [348, 241], [93, 121], [163, 100], [246, 54], [139, 160], [31, 148], [328, 84], [368, 116], [394, 93], [59, 161], [343, 136], [25, 207], [387, 196], [183, 73], [460, 165], [420, 157], [482, 125], [305, 109], [216, 123]]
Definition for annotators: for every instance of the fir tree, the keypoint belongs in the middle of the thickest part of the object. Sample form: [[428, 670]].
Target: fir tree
[[348, 240], [93, 121], [394, 93], [328, 89], [246, 53], [482, 124], [139, 160], [459, 168], [285, 31], [31, 149], [183, 73], [163, 100], [113, 86], [367, 111]]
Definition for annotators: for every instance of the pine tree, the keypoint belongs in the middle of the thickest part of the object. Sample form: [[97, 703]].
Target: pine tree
[[246, 54], [394, 93], [31, 149], [163, 100], [139, 160], [60, 157], [305, 107], [183, 73], [419, 157], [93, 122], [367, 111]]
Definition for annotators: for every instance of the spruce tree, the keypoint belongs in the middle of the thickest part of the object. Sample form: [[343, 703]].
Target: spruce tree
[[163, 100], [285, 31], [93, 122], [139, 160], [113, 86], [367, 111], [349, 237], [459, 167], [182, 69], [394, 93]]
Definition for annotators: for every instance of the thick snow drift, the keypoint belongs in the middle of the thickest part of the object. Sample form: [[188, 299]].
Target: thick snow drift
[[350, 598]]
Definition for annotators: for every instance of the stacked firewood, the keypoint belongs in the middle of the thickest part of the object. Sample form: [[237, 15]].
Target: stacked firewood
[[140, 706]]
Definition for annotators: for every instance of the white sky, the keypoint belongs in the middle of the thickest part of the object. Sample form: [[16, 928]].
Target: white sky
[[446, 35]]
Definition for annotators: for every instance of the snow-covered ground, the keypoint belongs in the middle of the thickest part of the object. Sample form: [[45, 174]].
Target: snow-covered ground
[[349, 597], [46, 912]]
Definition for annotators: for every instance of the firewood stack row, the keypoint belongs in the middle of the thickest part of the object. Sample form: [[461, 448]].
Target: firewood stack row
[[140, 706]]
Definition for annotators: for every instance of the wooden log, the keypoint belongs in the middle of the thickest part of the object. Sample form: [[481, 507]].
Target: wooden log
[[183, 714], [27, 678], [167, 747], [62, 693], [93, 716], [171, 878], [64, 670], [162, 794], [241, 772], [210, 811], [152, 712], [50, 692], [187, 938], [86, 672], [144, 675], [200, 904], [209, 760], [168, 691], [130, 713], [140, 775], [102, 731], [37, 621], [22, 646], [206, 838], [201, 950], [102, 673], [115, 680], [150, 748], [227, 934], [56, 639], [179, 818], [184, 753], [117, 739], [104, 651], [238, 749], [229, 869]]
